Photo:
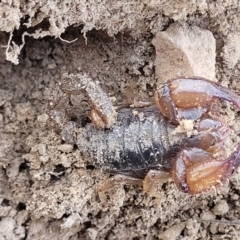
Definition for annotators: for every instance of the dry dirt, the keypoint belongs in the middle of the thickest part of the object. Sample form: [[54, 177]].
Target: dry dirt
[[47, 191]]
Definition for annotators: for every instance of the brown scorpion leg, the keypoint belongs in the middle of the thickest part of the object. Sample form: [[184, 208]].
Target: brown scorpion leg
[[135, 99], [153, 180], [115, 182], [151, 183]]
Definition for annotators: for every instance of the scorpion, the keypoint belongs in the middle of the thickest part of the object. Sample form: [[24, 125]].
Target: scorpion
[[140, 145]]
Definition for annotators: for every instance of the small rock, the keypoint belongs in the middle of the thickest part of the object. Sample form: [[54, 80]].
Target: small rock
[[42, 149], [192, 227], [25, 111], [51, 66], [214, 228], [44, 159], [5, 95], [66, 148], [221, 208], [172, 232], [207, 216], [184, 50]]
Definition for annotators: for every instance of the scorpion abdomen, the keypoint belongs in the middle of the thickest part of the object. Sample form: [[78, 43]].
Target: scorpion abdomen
[[136, 143]]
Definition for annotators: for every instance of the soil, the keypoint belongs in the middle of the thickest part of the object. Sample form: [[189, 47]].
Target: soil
[[47, 189]]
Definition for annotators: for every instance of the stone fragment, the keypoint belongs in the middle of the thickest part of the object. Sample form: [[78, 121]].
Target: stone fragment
[[184, 50]]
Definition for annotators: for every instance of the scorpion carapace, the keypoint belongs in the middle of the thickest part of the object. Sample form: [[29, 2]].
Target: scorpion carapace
[[143, 143]]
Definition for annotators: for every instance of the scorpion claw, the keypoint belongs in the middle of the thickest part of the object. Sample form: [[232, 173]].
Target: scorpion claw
[[196, 171], [192, 97]]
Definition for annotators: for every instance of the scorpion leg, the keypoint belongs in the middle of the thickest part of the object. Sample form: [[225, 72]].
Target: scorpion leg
[[116, 181], [102, 113], [136, 99], [185, 98], [150, 183], [153, 180]]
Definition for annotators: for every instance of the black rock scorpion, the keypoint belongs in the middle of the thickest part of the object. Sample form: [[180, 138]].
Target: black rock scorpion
[[141, 144]]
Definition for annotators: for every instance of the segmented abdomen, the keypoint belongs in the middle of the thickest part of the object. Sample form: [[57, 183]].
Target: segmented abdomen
[[136, 143]]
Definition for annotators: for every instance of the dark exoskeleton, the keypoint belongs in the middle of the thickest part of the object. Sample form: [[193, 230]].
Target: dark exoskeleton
[[138, 141]]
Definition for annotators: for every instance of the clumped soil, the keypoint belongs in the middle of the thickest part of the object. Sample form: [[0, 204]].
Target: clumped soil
[[47, 189]]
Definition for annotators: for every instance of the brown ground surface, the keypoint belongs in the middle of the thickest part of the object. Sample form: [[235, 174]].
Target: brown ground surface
[[46, 190]]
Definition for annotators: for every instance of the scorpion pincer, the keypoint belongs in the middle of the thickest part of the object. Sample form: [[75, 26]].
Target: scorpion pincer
[[142, 143]]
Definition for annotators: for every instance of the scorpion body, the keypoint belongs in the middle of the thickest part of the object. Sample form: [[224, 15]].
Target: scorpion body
[[138, 141], [145, 143]]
